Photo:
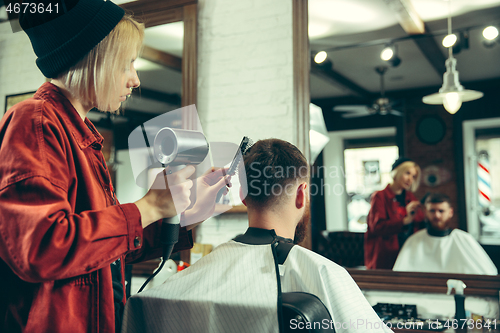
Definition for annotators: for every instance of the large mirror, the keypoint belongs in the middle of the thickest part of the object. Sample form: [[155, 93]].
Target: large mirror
[[367, 133]]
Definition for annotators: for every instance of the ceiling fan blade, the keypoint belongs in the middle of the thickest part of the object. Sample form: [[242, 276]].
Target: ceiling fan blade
[[396, 113], [352, 108], [355, 114]]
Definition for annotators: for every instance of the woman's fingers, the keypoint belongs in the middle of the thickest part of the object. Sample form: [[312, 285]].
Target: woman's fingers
[[180, 187], [186, 172], [212, 177], [180, 195], [222, 182]]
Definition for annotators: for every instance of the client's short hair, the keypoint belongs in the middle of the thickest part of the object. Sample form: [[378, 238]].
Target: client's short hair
[[272, 167], [434, 198]]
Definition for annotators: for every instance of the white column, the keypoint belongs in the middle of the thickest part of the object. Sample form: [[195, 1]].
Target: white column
[[245, 73]]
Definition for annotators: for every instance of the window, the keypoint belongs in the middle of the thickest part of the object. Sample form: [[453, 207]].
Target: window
[[482, 179], [366, 170], [356, 163]]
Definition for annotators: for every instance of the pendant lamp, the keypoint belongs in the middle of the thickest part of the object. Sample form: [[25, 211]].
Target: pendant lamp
[[452, 93]]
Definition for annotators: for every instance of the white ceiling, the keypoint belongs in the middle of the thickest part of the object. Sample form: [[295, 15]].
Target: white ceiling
[[167, 38], [336, 23], [348, 17]]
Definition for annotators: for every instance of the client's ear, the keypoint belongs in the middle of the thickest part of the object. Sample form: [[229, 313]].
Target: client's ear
[[241, 197], [301, 196]]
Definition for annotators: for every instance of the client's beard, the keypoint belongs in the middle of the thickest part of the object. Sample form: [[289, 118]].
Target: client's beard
[[301, 229]]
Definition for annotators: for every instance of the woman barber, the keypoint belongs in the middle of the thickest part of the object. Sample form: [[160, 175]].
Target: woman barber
[[394, 215], [63, 236]]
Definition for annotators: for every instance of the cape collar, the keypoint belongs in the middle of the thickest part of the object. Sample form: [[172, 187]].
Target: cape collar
[[257, 236]]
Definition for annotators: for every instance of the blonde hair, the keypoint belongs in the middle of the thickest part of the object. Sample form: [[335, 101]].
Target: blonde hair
[[94, 78], [403, 167]]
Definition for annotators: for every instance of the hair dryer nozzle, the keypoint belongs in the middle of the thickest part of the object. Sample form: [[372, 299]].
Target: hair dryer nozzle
[[179, 147]]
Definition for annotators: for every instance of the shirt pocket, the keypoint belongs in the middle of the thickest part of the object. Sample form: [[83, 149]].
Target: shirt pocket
[[68, 305], [78, 296]]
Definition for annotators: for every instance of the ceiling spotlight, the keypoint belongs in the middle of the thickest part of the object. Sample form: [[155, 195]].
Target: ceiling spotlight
[[389, 54], [449, 40], [320, 57], [490, 33], [462, 42]]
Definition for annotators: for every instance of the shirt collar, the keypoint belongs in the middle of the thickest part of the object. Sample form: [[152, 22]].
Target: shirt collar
[[84, 132], [389, 193]]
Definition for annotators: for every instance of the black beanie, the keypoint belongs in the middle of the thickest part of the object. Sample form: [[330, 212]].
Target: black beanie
[[400, 161], [62, 39]]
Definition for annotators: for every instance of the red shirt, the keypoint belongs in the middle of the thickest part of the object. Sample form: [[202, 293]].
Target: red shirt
[[385, 222], [59, 226]]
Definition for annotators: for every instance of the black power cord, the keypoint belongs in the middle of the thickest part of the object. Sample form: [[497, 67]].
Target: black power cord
[[169, 237]]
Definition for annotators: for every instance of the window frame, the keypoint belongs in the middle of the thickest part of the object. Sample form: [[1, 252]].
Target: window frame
[[469, 128], [333, 155]]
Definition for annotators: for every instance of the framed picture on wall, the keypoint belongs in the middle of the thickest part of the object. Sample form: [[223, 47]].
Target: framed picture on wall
[[372, 173], [11, 100]]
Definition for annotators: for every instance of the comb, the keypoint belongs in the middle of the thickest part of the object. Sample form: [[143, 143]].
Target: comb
[[245, 145]]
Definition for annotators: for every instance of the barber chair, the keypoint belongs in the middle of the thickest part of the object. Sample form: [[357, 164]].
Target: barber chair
[[301, 308]]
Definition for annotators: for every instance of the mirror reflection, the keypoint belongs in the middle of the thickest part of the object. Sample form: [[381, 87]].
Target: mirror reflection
[[395, 214], [440, 249], [438, 211]]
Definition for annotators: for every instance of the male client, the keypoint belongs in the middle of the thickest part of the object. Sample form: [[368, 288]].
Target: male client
[[234, 288], [438, 249]]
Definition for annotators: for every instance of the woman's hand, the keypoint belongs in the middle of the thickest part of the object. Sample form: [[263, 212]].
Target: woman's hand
[[411, 210], [167, 197], [207, 187]]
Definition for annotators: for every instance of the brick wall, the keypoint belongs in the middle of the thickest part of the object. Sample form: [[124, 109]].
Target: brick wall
[[441, 154], [245, 76], [245, 82]]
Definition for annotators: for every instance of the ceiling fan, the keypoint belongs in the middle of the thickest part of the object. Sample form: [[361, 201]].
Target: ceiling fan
[[381, 105]]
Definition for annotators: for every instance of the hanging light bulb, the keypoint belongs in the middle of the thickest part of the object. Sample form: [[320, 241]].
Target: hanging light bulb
[[452, 93], [452, 102]]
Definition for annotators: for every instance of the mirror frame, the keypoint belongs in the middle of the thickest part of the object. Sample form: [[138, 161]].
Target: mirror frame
[[157, 12], [388, 280], [380, 279]]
